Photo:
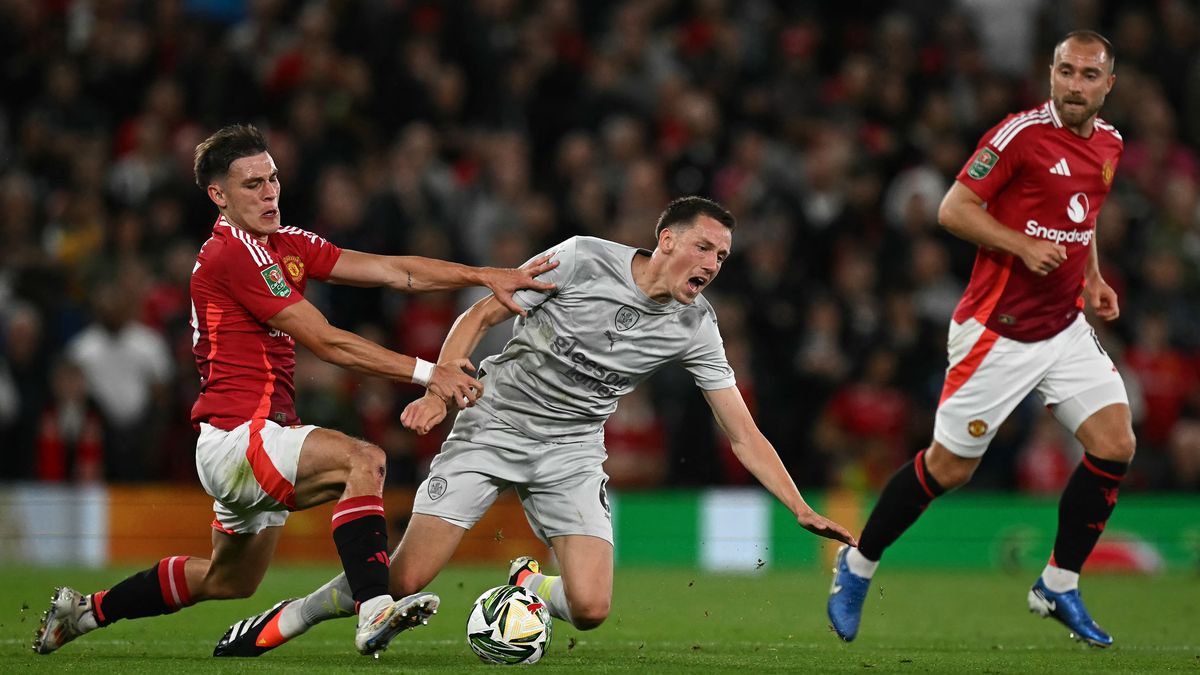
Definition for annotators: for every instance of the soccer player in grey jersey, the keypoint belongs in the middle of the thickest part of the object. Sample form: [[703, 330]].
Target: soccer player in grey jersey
[[617, 315]]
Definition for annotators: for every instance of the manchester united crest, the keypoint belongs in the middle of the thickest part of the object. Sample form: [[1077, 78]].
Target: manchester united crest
[[1107, 171], [977, 428], [294, 266]]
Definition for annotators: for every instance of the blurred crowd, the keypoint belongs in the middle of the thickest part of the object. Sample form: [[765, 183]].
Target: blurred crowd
[[483, 131]]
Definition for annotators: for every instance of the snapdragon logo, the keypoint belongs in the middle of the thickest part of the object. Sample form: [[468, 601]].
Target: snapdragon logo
[[1078, 207], [1058, 236]]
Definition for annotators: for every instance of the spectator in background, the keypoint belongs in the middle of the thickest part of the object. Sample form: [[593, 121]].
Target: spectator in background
[[70, 443], [127, 366]]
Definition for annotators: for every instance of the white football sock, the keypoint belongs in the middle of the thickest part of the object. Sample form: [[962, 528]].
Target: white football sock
[[1059, 580], [330, 601], [550, 590], [860, 565]]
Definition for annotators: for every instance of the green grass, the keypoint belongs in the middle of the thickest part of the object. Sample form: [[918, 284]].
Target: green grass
[[664, 620]]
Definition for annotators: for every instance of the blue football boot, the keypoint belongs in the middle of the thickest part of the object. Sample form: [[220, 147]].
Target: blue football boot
[[1069, 610], [846, 597]]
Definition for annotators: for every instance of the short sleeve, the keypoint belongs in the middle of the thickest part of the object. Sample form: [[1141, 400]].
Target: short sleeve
[[319, 255], [997, 158], [258, 284], [705, 358], [565, 254]]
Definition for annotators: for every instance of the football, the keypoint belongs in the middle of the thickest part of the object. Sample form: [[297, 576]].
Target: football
[[509, 625]]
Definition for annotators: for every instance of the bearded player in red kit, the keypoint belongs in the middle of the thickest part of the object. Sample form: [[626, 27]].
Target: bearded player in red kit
[[253, 455], [1029, 197]]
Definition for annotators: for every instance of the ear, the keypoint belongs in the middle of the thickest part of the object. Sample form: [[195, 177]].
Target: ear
[[217, 195], [666, 240]]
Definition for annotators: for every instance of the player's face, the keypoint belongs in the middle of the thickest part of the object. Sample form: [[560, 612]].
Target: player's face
[[249, 194], [696, 255], [1080, 79]]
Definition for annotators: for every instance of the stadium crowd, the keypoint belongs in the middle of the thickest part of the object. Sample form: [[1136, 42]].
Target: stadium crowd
[[483, 131]]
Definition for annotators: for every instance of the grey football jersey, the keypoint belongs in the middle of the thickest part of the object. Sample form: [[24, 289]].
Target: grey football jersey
[[591, 340]]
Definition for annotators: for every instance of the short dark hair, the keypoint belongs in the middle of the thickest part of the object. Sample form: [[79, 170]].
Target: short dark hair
[[685, 210], [1089, 37], [217, 152]]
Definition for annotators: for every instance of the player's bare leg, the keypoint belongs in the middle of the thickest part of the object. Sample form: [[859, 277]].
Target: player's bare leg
[[582, 594], [905, 497], [235, 570], [1083, 510]]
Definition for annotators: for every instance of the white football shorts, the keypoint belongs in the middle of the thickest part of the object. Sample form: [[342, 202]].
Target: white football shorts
[[989, 375], [561, 485], [251, 473]]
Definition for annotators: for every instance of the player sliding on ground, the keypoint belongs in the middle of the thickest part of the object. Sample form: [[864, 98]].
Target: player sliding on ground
[[253, 455], [1029, 198], [617, 315]]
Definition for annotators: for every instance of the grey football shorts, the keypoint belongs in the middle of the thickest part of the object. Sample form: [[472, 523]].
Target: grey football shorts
[[561, 485]]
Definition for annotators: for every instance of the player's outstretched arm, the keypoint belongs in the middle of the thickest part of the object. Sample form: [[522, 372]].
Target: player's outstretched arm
[[469, 328], [757, 454], [415, 274], [962, 214], [305, 323]]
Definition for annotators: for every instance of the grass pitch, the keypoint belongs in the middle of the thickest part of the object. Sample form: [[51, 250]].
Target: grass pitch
[[663, 620]]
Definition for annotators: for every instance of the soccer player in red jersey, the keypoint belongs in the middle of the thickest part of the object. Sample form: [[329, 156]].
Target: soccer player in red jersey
[[1029, 198], [253, 455]]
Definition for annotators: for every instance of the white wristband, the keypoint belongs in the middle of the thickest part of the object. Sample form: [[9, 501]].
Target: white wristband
[[422, 372]]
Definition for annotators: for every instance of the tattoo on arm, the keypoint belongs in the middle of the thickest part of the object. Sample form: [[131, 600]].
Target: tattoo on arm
[[410, 279]]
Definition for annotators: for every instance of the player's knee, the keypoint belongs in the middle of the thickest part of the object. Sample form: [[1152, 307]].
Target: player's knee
[[368, 458], [590, 613], [1117, 447]]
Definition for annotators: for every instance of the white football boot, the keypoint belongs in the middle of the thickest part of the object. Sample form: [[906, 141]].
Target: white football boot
[[377, 626], [70, 615]]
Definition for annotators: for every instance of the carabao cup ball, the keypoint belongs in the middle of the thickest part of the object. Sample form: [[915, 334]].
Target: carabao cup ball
[[509, 625]]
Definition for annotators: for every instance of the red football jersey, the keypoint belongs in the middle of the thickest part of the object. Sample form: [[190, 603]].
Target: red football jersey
[[1038, 178], [239, 283]]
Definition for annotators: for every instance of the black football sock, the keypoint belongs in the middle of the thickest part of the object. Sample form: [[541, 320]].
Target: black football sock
[[360, 532], [904, 498], [1084, 508], [162, 589]]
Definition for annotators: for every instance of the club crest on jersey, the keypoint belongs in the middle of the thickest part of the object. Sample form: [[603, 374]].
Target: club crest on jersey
[[276, 282], [627, 317], [983, 163], [1107, 171], [294, 266]]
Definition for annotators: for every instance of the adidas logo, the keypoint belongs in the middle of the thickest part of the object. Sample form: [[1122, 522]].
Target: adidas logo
[[1060, 168]]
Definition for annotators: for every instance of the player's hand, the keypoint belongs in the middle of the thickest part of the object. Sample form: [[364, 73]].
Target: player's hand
[[1103, 299], [424, 413], [451, 384], [822, 526], [1043, 257], [504, 282]]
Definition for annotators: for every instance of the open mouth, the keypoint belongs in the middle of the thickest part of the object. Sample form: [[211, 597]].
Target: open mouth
[[696, 283], [270, 213]]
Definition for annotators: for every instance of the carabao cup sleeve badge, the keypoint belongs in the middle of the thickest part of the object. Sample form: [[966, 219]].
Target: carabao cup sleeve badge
[[983, 163]]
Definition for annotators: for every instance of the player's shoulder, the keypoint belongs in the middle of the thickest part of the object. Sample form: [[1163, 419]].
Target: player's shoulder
[[1021, 127], [232, 246], [291, 232], [1108, 131], [588, 244], [705, 308]]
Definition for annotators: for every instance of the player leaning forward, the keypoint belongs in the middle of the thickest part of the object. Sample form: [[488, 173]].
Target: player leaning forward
[[1043, 174], [248, 311], [617, 315]]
